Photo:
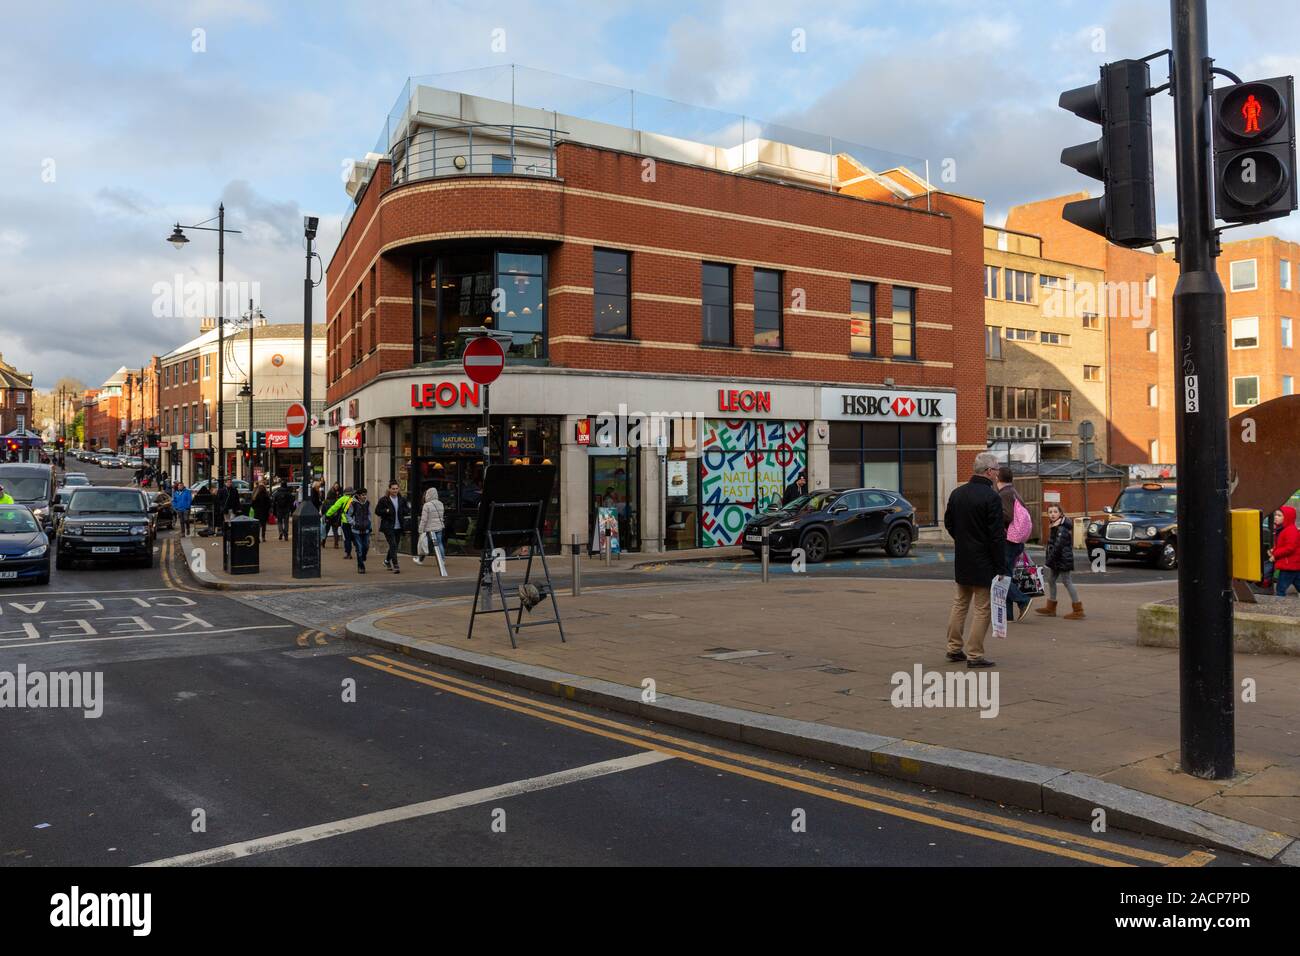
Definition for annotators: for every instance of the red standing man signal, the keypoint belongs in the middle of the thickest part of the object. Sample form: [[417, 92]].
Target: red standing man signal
[[1251, 110]]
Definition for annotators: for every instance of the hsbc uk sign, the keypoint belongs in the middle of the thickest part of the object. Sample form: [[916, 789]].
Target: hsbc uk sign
[[846, 404]]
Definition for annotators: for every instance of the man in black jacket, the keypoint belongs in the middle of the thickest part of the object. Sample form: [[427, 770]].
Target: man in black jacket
[[974, 519], [394, 514]]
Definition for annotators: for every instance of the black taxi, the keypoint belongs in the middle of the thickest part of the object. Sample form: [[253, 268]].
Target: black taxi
[[1142, 525]]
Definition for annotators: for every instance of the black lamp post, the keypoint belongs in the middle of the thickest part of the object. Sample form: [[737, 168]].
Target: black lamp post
[[178, 239]]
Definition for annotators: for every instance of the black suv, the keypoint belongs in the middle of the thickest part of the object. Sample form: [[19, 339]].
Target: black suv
[[105, 523], [826, 521], [1142, 525]]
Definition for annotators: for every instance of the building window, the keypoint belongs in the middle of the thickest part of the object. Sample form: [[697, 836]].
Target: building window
[[1242, 275], [1286, 332], [1055, 405], [185, 372], [1051, 282], [207, 365], [1020, 286], [1153, 396], [862, 318], [1092, 373], [1284, 273], [1153, 451], [767, 309], [1091, 320], [1153, 341], [1245, 390], [1055, 338], [20, 397], [1245, 333], [185, 418], [207, 411], [991, 274], [194, 373], [897, 458], [1022, 403], [904, 323], [1151, 287], [1288, 385], [612, 293], [502, 165], [715, 287], [992, 342], [458, 289], [1022, 335], [993, 402]]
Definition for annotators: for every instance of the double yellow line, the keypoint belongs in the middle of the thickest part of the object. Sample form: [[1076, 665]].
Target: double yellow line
[[166, 553], [904, 805]]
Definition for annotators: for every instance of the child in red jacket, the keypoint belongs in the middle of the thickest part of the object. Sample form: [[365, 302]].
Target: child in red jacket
[[1286, 550]]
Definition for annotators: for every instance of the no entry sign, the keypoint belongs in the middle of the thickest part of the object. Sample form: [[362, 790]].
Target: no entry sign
[[295, 419], [483, 360]]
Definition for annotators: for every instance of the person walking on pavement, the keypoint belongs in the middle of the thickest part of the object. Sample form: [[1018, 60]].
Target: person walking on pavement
[[227, 502], [282, 503], [339, 512], [1285, 552], [182, 501], [433, 518], [1059, 561], [262, 506], [1019, 526], [974, 520], [359, 522], [332, 521], [394, 514]]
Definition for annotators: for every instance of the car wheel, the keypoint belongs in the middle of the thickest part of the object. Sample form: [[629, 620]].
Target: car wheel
[[1167, 558], [815, 546], [899, 541]]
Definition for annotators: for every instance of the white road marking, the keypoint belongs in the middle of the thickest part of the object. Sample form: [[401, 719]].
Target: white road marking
[[127, 637], [279, 841], [50, 593]]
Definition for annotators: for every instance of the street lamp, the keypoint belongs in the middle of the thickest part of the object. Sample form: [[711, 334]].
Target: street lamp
[[250, 318], [178, 239]]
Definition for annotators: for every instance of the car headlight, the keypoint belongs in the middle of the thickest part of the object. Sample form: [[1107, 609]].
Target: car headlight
[[783, 525], [37, 551], [139, 528], [1094, 528], [71, 529], [1152, 531]]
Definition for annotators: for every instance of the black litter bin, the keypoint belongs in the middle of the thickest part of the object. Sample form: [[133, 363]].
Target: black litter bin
[[241, 546]]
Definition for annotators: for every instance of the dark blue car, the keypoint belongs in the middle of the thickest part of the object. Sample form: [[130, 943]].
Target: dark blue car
[[24, 548]]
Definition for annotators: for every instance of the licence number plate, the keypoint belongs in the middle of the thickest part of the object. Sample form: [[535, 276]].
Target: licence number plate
[[8, 575], [754, 538], [1119, 547], [105, 550]]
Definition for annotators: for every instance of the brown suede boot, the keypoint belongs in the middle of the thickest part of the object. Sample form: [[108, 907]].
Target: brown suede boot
[[1049, 610], [1077, 613]]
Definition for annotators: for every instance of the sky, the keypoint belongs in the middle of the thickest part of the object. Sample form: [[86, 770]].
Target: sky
[[118, 120]]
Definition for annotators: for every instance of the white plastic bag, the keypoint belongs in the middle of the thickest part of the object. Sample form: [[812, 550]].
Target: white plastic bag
[[422, 546], [998, 604]]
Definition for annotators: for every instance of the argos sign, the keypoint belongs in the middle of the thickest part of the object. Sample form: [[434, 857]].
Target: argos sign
[[876, 405]]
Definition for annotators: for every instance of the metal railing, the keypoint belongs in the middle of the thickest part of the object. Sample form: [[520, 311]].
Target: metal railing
[[475, 149]]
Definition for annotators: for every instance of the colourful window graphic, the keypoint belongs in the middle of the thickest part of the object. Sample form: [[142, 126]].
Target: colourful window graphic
[[744, 466]]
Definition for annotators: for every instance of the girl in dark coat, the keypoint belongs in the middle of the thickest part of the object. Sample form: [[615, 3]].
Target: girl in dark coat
[[1059, 561], [262, 506]]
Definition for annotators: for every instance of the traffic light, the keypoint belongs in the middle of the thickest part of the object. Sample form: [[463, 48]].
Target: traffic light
[[241, 440], [259, 440], [1126, 211], [1254, 150]]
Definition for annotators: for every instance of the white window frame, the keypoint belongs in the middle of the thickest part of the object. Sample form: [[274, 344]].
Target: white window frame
[[1232, 328], [1085, 373], [1232, 282], [1151, 286], [1288, 384], [20, 397], [1284, 273], [1153, 449], [1286, 330], [1245, 378], [1153, 341], [1153, 396]]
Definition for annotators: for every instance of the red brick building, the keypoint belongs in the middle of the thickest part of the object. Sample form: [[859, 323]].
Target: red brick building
[[16, 410], [788, 310]]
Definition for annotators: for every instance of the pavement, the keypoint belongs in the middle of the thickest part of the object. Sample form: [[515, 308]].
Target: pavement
[[1085, 718]]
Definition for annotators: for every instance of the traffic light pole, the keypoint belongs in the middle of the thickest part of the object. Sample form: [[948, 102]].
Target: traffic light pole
[[1205, 621]]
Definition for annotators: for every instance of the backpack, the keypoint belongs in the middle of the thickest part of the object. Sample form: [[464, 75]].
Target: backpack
[[1021, 526]]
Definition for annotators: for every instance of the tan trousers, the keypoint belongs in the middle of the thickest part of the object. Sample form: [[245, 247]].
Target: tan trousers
[[961, 603]]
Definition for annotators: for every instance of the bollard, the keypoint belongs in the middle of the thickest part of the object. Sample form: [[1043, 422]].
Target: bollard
[[766, 553], [577, 568], [609, 549]]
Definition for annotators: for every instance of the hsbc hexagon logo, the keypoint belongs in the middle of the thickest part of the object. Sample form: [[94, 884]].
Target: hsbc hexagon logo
[[903, 406]]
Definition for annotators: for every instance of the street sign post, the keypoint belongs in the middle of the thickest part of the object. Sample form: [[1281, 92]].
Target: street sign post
[[295, 419]]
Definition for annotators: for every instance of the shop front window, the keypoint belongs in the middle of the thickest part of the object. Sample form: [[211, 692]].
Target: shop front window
[[898, 458], [500, 289]]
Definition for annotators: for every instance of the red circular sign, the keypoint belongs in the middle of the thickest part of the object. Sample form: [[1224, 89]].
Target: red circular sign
[[483, 360], [295, 419]]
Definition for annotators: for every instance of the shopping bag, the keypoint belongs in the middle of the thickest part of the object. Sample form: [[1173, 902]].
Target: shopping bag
[[423, 547], [1028, 577], [998, 604]]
